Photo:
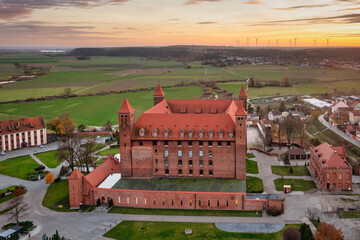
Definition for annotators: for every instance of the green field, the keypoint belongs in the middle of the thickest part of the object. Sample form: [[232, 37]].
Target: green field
[[112, 151], [49, 159], [165, 230], [299, 184], [254, 185], [18, 167], [95, 110], [251, 167], [285, 170], [185, 212]]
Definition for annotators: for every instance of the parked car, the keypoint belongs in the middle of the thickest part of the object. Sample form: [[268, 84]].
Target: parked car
[[2, 153], [41, 146], [35, 152]]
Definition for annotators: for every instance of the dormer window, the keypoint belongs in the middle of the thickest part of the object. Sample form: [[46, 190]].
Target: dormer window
[[211, 133], [221, 133], [191, 133], [231, 133], [201, 133], [182, 133], [166, 132], [154, 132], [142, 132]]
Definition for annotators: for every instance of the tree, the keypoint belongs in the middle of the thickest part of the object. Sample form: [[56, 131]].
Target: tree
[[291, 170], [67, 92], [62, 125], [282, 106], [84, 154], [285, 82], [315, 114], [289, 126], [20, 207], [67, 149], [81, 128], [328, 231], [49, 178], [291, 233], [286, 159], [306, 233], [315, 142], [107, 126]]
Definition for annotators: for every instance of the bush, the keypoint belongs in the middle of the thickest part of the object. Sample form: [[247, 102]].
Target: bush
[[291, 233], [18, 191], [306, 233], [58, 179], [273, 211], [291, 170], [2, 195], [40, 168]]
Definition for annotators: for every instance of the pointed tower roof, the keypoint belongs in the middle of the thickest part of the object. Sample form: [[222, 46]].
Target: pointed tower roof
[[159, 91], [242, 92], [126, 107], [241, 111], [76, 174]]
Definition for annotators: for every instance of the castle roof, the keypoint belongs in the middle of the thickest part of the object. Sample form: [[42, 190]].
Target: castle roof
[[110, 165], [159, 91], [189, 115], [21, 125], [331, 156], [126, 107], [75, 175], [240, 111], [243, 93]]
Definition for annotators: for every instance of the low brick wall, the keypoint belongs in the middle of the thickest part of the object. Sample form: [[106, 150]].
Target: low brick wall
[[267, 153], [84, 134]]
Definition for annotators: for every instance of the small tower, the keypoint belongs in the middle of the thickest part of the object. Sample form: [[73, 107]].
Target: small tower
[[76, 188], [126, 125], [159, 95], [243, 97], [241, 142]]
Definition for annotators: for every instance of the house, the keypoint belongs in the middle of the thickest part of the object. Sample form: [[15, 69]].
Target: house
[[168, 156], [338, 104], [330, 167], [354, 117], [24, 132], [298, 154], [274, 115]]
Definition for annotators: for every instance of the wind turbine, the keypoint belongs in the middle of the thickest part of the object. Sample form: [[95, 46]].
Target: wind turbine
[[327, 42], [268, 43], [315, 42], [247, 41], [257, 41], [295, 41], [290, 42], [277, 42]]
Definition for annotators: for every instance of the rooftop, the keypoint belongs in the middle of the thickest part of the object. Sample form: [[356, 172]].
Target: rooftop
[[21, 125], [182, 184]]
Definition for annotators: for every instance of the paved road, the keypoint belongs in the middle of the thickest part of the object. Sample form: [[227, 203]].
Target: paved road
[[30, 150], [338, 132]]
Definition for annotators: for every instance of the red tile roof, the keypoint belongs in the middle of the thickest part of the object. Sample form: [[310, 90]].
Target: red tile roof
[[22, 125], [159, 91], [331, 156], [76, 174], [126, 107], [356, 112], [110, 165], [178, 115], [243, 92], [240, 111]]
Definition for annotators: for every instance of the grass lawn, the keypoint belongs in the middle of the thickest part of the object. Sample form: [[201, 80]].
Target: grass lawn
[[183, 184], [299, 184], [6, 210], [254, 185], [165, 230], [58, 194], [112, 151], [18, 167], [8, 197], [98, 147], [251, 167], [182, 212], [285, 170], [350, 214], [250, 155], [49, 159]]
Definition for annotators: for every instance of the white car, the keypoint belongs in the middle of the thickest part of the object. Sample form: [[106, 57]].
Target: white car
[[35, 152], [2, 153], [41, 146]]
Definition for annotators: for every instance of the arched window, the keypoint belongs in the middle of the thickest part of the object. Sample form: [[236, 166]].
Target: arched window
[[142, 132], [221, 133], [182, 132], [201, 133], [154, 132], [166, 132], [211, 133], [191, 133], [231, 133]]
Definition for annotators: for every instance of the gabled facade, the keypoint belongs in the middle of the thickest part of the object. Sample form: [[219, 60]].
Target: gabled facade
[[274, 115], [330, 167], [338, 104]]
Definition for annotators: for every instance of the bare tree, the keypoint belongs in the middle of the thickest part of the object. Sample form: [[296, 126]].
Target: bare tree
[[20, 207], [84, 154], [67, 149]]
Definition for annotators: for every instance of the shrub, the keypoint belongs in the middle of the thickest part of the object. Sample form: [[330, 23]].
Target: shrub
[[40, 168], [291, 170], [306, 233], [18, 191], [291, 233], [2, 195], [58, 179], [273, 211]]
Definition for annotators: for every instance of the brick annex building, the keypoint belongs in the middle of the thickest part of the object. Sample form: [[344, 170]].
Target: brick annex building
[[190, 140], [24, 132], [330, 167]]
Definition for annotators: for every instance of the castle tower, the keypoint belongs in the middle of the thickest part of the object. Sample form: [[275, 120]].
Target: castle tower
[[243, 97], [241, 142], [76, 188], [126, 125], [159, 95]]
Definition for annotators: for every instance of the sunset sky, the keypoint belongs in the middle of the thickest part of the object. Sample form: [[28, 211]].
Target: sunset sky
[[93, 23]]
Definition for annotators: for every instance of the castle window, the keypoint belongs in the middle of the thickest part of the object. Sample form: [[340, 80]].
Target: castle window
[[156, 162], [190, 153], [191, 133], [166, 171], [201, 153], [201, 172], [210, 162], [190, 163], [231, 133], [211, 173], [156, 171], [141, 143], [228, 144], [154, 143], [166, 153], [201, 163], [340, 175], [201, 143], [221, 133], [217, 203], [210, 144], [180, 163], [191, 172], [142, 132], [154, 132], [190, 143], [179, 143], [180, 171], [210, 153], [179, 153], [219, 143], [166, 143], [199, 202], [211, 133], [201, 133], [208, 203], [166, 163], [166, 132], [182, 133]]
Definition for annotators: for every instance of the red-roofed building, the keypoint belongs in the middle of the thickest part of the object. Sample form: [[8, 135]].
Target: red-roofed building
[[330, 167], [24, 132]]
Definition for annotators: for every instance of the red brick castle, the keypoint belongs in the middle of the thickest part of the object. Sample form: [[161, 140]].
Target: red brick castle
[[184, 154]]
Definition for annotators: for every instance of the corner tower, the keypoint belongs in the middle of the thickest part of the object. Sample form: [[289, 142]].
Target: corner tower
[[241, 142], [76, 189], [126, 125], [159, 95], [243, 97]]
